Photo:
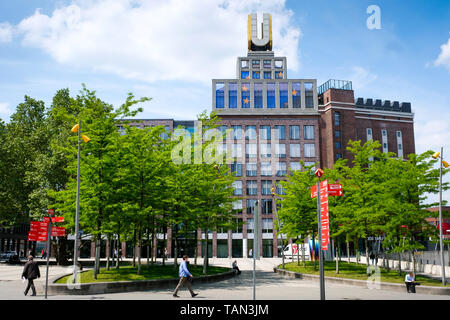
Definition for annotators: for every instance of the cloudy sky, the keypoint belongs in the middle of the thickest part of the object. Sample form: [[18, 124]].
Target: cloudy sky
[[170, 50]]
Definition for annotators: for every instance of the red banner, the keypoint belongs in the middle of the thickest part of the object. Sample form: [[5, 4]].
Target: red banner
[[324, 214], [313, 191], [55, 219], [58, 232]]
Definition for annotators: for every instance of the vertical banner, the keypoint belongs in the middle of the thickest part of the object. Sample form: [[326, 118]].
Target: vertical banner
[[324, 214]]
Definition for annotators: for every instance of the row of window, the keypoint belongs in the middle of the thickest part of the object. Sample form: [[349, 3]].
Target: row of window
[[266, 227], [257, 75], [266, 130], [265, 207], [258, 95], [256, 63], [384, 140], [265, 150], [266, 168]]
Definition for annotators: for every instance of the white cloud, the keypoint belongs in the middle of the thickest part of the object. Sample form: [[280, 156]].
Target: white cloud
[[4, 109], [444, 56], [361, 77], [193, 40], [6, 32]]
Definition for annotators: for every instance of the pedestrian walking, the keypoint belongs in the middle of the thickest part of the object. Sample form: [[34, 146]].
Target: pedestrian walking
[[43, 254], [372, 257], [410, 283], [185, 278], [31, 272], [166, 253], [235, 267]]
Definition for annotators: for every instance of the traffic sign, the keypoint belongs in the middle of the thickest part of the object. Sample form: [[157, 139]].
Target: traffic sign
[[58, 232], [39, 223], [55, 219], [318, 173], [313, 191]]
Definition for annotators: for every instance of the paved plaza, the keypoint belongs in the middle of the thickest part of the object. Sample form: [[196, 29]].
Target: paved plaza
[[270, 286]]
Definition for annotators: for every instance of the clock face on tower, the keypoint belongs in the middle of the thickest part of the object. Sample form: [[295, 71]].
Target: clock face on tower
[[263, 43]]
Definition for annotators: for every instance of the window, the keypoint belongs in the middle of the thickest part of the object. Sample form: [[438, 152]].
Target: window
[[278, 63], [266, 185], [399, 134], [399, 146], [294, 166], [236, 169], [220, 92], [264, 132], [245, 95], [284, 95], [237, 206], [296, 94], [237, 186], [265, 150], [279, 188], [384, 132], [280, 150], [310, 150], [294, 132], [369, 134], [266, 206], [251, 205], [337, 134], [245, 75], [271, 95], [236, 151], [281, 169], [267, 74], [267, 63], [255, 64], [310, 163], [250, 133], [239, 226], [308, 132], [294, 150], [309, 99], [237, 132], [337, 119], [279, 75], [338, 145], [232, 95], [244, 63], [279, 132], [250, 150], [266, 169], [258, 95], [267, 225], [252, 189], [338, 156], [256, 75], [250, 225], [250, 169]]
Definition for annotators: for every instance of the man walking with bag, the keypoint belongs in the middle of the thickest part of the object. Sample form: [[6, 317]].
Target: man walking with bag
[[31, 272], [185, 278]]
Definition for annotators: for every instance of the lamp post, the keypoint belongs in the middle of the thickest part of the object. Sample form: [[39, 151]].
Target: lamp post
[[281, 234], [319, 173], [77, 128], [446, 165]]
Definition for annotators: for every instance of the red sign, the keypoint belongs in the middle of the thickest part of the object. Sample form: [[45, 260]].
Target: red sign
[[319, 173], [325, 232], [38, 224], [58, 232], [51, 212], [313, 191], [55, 219], [335, 190]]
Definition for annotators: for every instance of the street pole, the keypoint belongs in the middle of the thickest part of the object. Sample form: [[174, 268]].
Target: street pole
[[255, 246], [75, 251], [440, 219], [48, 253], [319, 228]]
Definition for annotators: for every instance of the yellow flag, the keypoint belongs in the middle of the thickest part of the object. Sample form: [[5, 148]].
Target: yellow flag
[[75, 128], [85, 138]]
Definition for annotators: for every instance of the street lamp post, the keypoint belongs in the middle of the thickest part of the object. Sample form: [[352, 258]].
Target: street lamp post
[[77, 215], [281, 234]]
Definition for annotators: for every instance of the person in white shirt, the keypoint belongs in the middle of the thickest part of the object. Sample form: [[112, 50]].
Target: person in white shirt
[[410, 283]]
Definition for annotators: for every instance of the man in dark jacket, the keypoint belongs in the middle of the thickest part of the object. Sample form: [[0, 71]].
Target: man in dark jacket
[[31, 272]]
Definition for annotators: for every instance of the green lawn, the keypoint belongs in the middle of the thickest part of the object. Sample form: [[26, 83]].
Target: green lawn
[[128, 273], [356, 271]]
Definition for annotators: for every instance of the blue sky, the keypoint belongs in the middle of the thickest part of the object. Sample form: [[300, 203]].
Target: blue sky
[[170, 51]]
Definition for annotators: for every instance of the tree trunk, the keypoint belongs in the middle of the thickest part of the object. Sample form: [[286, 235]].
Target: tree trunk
[[108, 251], [298, 252], [413, 258], [205, 259], [165, 246], [134, 247], [175, 250], [367, 251], [97, 256], [337, 256], [399, 263], [348, 251], [113, 260], [357, 250], [139, 248], [118, 249], [303, 253]]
